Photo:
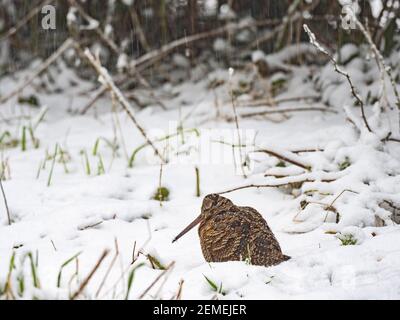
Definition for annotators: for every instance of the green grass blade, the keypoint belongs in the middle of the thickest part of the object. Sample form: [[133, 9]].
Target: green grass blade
[[35, 278], [52, 166], [212, 284], [131, 278]]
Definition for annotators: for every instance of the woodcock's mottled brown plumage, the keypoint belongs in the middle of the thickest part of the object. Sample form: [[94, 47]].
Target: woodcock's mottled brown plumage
[[231, 233]]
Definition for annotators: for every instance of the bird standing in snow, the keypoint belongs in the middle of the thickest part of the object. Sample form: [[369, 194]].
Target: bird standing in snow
[[231, 233]]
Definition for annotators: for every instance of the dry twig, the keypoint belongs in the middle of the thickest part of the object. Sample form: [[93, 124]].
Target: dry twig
[[274, 102], [275, 185], [284, 110], [93, 100], [339, 70], [178, 295], [109, 268], [156, 280], [285, 158], [90, 275]]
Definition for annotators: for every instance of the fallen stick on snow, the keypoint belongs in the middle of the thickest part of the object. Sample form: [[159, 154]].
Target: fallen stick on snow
[[287, 181], [274, 102], [283, 110], [307, 150], [289, 157], [257, 186]]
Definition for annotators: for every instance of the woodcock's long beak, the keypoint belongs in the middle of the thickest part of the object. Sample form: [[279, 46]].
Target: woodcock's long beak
[[189, 227]]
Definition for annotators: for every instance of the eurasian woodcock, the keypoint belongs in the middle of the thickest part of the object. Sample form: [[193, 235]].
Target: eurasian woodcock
[[232, 233]]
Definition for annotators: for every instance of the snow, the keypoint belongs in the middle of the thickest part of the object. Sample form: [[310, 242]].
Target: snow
[[181, 61], [221, 45], [226, 12], [82, 213], [122, 62], [211, 7], [128, 2]]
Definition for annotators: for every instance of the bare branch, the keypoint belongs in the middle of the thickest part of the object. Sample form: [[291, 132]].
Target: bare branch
[[151, 57], [381, 62], [339, 70], [111, 44]]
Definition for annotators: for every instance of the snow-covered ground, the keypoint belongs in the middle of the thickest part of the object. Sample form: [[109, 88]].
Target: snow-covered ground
[[60, 212]]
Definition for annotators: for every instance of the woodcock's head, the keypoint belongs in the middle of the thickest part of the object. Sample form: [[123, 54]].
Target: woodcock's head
[[212, 205]]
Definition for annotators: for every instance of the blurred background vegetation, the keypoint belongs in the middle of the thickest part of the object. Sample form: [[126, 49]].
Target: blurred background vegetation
[[140, 26]]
